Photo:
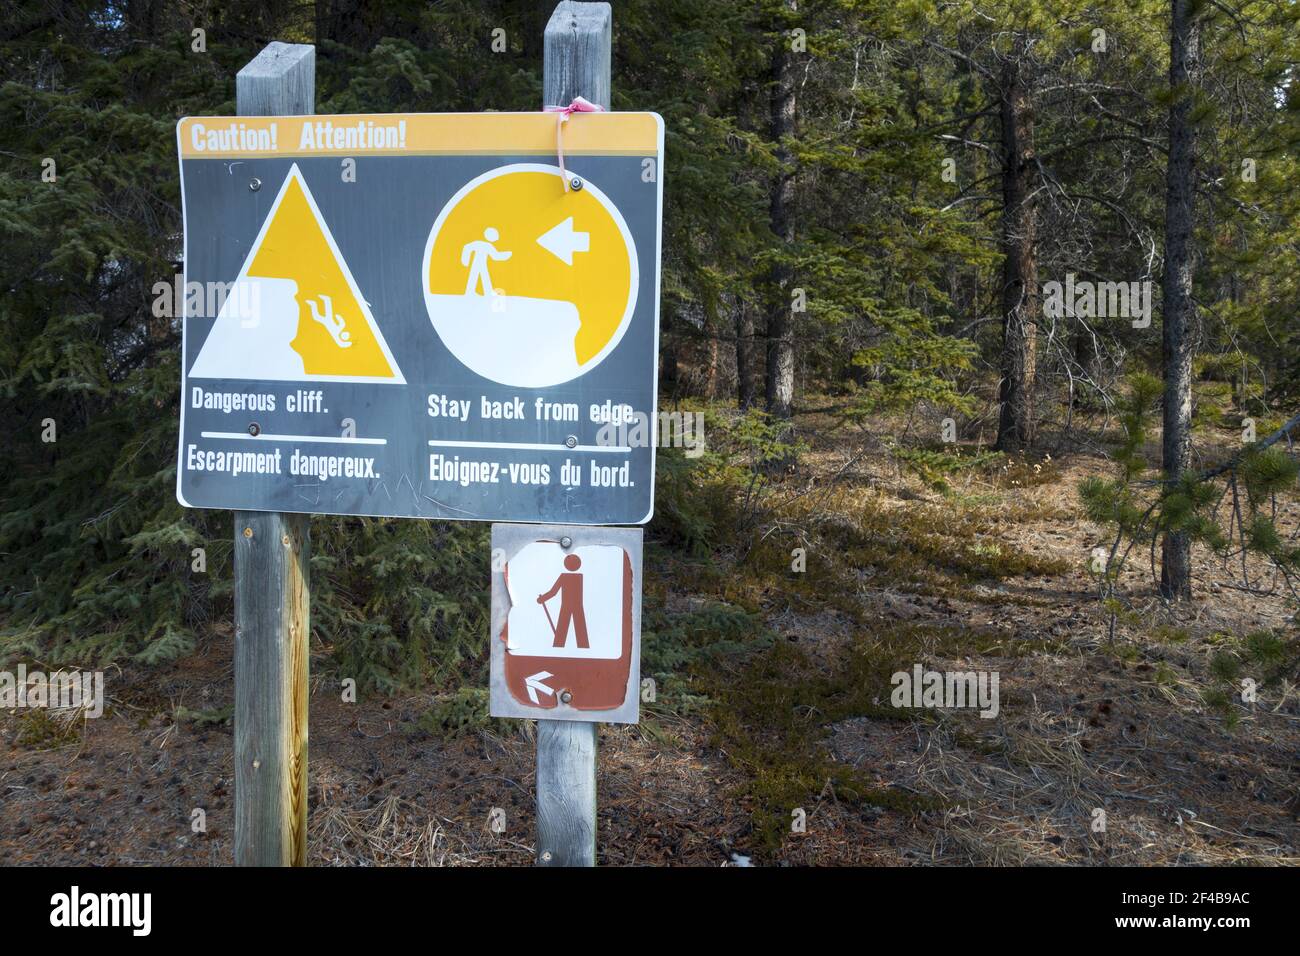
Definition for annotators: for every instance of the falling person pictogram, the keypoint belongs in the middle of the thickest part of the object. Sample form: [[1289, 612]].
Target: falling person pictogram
[[569, 586]]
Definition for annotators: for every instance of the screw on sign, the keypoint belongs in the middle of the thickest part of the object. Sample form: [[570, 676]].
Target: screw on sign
[[566, 615]]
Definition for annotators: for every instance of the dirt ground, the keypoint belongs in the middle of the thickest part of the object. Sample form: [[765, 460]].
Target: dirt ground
[[1100, 754], [383, 790]]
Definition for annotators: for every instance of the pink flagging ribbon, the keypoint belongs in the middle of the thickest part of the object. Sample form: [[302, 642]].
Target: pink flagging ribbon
[[562, 114]]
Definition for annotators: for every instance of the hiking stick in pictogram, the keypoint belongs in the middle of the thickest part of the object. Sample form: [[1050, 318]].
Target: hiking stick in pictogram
[[548, 619]]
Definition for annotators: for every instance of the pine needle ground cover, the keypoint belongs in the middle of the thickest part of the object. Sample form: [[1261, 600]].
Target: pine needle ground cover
[[773, 696]]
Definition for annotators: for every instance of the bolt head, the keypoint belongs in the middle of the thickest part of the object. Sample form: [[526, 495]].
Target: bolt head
[[571, 441], [566, 542], [575, 184], [566, 697], [254, 428], [254, 185]]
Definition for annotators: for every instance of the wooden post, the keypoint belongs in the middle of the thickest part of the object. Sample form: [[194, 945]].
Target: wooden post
[[566, 793], [272, 593], [576, 55], [576, 62]]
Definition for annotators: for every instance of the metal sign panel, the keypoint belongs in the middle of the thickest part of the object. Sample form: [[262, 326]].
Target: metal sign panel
[[566, 623], [428, 316]]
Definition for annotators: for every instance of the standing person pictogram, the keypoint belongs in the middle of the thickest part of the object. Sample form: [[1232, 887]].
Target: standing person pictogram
[[569, 586], [476, 255]]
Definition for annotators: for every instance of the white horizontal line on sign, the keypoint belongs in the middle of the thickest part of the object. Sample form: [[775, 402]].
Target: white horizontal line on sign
[[528, 446], [330, 439]]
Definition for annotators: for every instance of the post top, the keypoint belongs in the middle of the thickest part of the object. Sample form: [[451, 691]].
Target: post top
[[277, 58], [279, 81], [580, 17], [576, 61]]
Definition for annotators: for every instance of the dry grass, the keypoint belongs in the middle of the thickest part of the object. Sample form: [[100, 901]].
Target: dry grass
[[397, 832]]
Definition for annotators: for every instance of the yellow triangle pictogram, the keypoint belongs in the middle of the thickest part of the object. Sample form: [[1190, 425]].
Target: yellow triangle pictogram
[[295, 312]]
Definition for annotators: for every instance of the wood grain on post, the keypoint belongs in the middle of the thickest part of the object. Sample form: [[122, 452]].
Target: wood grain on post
[[576, 62], [577, 50], [566, 793], [279, 81], [272, 590]]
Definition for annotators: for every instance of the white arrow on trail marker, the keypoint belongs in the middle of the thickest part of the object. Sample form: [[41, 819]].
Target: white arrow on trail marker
[[562, 242], [534, 684]]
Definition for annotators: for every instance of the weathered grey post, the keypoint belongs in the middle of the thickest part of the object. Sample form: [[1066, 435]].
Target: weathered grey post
[[272, 551], [576, 54], [576, 62]]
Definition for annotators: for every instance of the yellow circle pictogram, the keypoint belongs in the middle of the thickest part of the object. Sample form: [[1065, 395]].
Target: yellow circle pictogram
[[526, 283]]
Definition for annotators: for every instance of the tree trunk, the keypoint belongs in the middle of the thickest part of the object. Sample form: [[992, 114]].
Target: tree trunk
[[711, 371], [780, 324], [669, 360], [1021, 301], [142, 18], [1180, 193], [746, 390]]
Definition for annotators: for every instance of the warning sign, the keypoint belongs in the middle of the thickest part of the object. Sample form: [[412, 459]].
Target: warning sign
[[566, 623], [551, 285], [295, 313], [439, 315]]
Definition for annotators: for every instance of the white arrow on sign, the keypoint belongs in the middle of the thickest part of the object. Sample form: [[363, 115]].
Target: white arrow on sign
[[534, 684], [562, 242]]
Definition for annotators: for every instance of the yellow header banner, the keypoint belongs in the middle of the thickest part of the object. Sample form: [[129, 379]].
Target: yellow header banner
[[420, 134]]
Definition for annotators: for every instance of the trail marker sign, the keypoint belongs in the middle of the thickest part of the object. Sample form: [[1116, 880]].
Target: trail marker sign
[[432, 315], [566, 623]]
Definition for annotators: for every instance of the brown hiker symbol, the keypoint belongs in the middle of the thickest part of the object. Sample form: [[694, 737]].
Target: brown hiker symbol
[[569, 586]]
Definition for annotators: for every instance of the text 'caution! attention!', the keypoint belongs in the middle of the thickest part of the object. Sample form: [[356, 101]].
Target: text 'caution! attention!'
[[429, 316]]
